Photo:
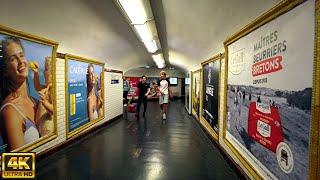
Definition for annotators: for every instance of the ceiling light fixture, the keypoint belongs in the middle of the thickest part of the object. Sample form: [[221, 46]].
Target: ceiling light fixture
[[141, 18], [159, 60], [138, 11], [143, 32], [151, 46]]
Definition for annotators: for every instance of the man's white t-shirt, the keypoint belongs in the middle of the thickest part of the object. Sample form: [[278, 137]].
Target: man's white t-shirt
[[164, 86]]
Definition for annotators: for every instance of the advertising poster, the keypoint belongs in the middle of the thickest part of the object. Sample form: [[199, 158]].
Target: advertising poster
[[133, 84], [196, 93], [210, 90], [153, 82], [134, 91], [27, 112], [269, 93], [85, 93], [187, 96]]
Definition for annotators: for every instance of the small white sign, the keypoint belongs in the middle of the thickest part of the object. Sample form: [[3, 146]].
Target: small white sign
[[263, 128], [264, 108], [284, 157]]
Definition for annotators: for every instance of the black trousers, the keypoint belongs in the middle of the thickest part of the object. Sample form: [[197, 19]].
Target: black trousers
[[141, 100], [125, 96]]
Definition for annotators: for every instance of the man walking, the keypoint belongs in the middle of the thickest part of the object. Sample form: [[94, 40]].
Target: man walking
[[144, 90], [164, 91]]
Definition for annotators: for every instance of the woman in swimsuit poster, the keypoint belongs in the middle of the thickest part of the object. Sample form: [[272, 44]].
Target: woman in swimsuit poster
[[85, 93], [23, 98], [100, 96], [92, 104]]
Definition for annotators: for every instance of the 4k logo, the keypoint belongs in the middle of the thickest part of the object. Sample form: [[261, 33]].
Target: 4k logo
[[18, 165]]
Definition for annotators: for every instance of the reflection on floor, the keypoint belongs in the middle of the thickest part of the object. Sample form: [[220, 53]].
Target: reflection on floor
[[147, 149]]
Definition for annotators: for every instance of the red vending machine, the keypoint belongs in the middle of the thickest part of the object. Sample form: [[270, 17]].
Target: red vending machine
[[264, 125]]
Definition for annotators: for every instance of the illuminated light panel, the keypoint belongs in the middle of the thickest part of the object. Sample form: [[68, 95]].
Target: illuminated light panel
[[158, 59], [135, 10]]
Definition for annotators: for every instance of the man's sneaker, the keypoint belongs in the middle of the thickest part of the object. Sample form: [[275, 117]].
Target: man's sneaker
[[164, 116]]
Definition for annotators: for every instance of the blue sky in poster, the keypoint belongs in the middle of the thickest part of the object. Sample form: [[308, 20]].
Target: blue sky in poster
[[34, 52]]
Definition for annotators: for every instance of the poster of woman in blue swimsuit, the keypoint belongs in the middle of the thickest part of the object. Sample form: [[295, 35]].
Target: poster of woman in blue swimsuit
[[84, 93]]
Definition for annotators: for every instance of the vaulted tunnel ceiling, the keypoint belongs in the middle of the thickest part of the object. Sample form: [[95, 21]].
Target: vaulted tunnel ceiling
[[190, 31], [195, 30]]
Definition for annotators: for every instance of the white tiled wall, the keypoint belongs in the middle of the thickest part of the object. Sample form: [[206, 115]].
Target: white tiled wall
[[113, 96], [113, 103]]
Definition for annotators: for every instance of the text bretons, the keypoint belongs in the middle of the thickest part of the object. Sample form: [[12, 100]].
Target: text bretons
[[267, 66]]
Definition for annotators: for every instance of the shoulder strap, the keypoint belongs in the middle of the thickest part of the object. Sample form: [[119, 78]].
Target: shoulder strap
[[15, 107]]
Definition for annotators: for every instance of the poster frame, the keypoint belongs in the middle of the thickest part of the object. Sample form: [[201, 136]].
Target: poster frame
[[193, 112], [89, 124], [188, 75], [203, 121], [314, 150], [40, 40]]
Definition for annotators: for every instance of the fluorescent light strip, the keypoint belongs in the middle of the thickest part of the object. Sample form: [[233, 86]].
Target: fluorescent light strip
[[139, 12], [146, 37], [151, 46], [144, 32], [161, 66], [159, 60], [135, 11]]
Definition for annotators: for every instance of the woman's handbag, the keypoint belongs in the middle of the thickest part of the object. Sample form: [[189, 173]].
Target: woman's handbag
[[132, 108]]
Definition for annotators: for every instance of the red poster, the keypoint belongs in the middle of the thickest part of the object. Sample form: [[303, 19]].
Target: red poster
[[133, 83], [264, 125]]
